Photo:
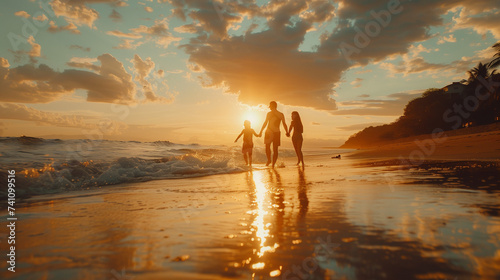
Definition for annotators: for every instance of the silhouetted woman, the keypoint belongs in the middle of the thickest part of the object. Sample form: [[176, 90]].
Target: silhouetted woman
[[297, 139]]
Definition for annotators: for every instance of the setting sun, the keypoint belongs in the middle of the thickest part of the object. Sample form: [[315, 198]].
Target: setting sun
[[254, 117]]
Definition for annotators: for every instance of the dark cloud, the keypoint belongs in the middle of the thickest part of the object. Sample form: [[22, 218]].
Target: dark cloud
[[115, 16], [264, 64], [108, 82]]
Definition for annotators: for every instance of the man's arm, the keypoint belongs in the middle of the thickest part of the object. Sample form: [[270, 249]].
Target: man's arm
[[264, 124], [284, 124]]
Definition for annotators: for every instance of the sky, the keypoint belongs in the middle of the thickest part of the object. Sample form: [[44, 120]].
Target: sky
[[192, 71]]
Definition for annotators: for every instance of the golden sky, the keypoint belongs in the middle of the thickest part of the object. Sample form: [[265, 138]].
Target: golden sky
[[193, 71]]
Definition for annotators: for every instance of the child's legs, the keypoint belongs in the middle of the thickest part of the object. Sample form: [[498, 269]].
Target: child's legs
[[250, 157], [245, 157]]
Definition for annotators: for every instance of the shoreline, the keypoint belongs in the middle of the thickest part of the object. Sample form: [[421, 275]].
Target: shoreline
[[475, 146]]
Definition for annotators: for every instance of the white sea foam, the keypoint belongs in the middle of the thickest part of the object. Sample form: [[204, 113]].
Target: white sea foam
[[48, 166]]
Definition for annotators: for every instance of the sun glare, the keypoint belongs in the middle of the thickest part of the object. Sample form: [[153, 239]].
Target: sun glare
[[254, 117]]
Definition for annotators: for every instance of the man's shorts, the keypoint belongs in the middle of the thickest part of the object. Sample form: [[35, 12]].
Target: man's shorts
[[272, 137]]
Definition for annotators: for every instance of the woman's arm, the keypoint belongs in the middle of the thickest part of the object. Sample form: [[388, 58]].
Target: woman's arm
[[291, 127]]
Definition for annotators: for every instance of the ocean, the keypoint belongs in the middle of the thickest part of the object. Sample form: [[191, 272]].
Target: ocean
[[45, 166]]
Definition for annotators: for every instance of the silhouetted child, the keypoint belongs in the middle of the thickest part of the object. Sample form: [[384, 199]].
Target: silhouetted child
[[247, 148], [297, 139]]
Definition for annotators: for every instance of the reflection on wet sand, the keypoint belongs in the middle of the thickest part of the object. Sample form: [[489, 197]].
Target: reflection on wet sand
[[329, 243], [288, 223]]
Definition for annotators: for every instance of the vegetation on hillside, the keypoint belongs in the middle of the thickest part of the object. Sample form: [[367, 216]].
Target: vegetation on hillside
[[472, 102]]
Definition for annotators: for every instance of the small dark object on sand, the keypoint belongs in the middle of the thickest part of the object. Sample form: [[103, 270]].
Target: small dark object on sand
[[337, 157]]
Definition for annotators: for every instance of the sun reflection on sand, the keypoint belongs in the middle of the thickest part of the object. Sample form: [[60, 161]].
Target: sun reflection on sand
[[261, 228]]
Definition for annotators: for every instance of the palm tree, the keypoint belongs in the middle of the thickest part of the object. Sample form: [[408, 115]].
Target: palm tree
[[496, 60], [481, 70]]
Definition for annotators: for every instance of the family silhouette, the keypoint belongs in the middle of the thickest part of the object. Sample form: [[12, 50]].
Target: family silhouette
[[272, 135]]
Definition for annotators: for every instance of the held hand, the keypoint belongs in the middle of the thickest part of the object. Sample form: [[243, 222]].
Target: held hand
[[260, 134], [287, 134], [235, 141]]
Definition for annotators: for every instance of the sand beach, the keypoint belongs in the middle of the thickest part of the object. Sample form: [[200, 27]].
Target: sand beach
[[335, 219]]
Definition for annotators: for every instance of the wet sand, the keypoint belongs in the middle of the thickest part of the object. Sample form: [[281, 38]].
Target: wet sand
[[336, 219]]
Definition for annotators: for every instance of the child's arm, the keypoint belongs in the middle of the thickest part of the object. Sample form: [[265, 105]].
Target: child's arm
[[255, 133], [238, 137]]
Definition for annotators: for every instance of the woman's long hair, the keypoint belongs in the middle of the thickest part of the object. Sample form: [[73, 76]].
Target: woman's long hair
[[297, 122]]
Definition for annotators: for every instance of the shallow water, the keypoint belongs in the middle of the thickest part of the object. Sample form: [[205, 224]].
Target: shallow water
[[336, 219]]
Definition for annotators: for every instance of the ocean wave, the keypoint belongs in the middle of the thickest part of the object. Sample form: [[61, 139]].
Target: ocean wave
[[25, 140], [76, 175], [51, 165]]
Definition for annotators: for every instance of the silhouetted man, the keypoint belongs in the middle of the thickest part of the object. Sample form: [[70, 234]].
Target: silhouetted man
[[273, 134]]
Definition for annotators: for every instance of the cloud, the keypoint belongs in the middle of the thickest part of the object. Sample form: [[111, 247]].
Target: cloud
[[41, 18], [4, 63], [158, 33], [363, 71], [84, 62], [275, 67], [450, 39], [14, 111], [392, 106], [356, 127], [143, 69], [33, 53], [78, 13], [23, 14], [364, 95], [265, 65], [121, 34], [78, 47], [412, 63], [128, 44], [148, 9], [357, 83], [115, 16], [108, 82], [53, 28], [485, 19], [75, 12]]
